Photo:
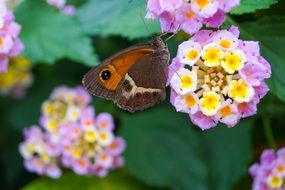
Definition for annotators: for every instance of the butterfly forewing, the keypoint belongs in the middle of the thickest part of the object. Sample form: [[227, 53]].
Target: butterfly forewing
[[119, 65]]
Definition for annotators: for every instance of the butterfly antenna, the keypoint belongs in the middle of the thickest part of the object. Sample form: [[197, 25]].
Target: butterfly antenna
[[143, 20], [171, 36], [178, 75], [163, 34]]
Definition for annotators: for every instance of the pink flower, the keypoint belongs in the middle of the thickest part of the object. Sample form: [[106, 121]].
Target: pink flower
[[74, 137], [60, 4], [247, 109], [57, 3], [253, 73], [116, 147], [154, 8], [216, 20], [229, 114], [189, 16], [83, 98], [269, 174], [173, 67], [267, 157], [118, 161], [10, 44], [204, 122], [217, 77], [6, 44], [104, 160], [203, 37], [170, 5], [69, 10], [3, 63], [168, 22], [204, 9], [53, 171], [227, 5], [189, 103], [104, 121], [40, 156], [80, 166]]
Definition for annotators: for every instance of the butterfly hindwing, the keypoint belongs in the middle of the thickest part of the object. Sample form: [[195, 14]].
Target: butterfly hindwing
[[143, 85]]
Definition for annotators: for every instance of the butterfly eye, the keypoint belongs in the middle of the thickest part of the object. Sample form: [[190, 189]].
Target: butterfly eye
[[106, 74]]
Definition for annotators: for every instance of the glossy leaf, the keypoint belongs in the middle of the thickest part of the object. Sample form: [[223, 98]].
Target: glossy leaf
[[166, 150], [270, 33], [50, 35], [248, 6], [116, 17]]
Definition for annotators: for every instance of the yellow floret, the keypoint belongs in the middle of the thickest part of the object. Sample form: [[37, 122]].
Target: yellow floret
[[202, 3], [274, 182], [210, 103], [240, 91], [90, 136], [212, 56], [233, 62], [192, 54]]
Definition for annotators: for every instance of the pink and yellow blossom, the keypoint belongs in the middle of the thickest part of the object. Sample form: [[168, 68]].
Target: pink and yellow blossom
[[73, 136], [189, 16], [214, 78]]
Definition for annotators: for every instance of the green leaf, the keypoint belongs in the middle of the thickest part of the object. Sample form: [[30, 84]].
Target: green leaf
[[228, 152], [117, 180], [162, 150], [248, 6], [270, 33], [166, 150], [50, 35], [116, 17]]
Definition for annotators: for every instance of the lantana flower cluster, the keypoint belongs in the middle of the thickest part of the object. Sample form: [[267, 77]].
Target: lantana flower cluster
[[61, 5], [218, 77], [10, 44], [269, 174], [17, 78], [189, 15], [72, 137]]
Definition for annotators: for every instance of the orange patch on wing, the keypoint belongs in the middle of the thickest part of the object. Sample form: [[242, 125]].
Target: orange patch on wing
[[120, 65]]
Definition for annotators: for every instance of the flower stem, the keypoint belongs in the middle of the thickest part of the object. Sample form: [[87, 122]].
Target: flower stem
[[268, 133]]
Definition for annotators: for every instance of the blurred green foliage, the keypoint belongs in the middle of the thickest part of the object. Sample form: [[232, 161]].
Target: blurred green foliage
[[50, 35], [164, 150], [118, 180]]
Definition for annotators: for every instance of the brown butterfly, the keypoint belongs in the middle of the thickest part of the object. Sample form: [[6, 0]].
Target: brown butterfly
[[134, 78]]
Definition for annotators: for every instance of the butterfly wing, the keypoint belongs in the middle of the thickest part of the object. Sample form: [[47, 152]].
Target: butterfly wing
[[118, 65], [144, 84], [134, 78]]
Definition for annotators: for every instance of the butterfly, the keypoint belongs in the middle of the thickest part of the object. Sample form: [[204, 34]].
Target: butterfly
[[134, 78]]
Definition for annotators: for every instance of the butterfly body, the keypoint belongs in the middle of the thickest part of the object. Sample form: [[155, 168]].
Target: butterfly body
[[134, 78]]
